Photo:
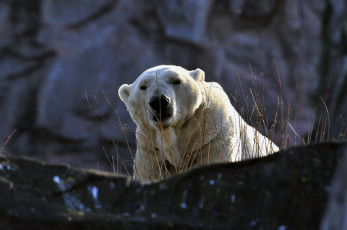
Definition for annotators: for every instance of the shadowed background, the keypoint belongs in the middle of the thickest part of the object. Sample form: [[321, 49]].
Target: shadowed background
[[62, 62]]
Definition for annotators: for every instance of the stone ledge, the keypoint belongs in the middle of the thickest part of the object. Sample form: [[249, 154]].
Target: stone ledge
[[288, 190]]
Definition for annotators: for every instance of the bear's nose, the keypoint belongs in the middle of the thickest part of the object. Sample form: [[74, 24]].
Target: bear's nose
[[159, 103]]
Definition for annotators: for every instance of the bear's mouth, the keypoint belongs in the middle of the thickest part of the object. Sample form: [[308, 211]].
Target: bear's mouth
[[162, 121], [163, 116]]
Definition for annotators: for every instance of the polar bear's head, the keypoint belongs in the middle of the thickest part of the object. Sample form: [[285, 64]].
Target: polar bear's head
[[164, 96]]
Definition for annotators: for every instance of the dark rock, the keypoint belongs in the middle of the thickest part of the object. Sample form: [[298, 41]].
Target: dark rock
[[74, 14], [255, 11], [54, 55], [288, 190], [184, 20], [336, 215]]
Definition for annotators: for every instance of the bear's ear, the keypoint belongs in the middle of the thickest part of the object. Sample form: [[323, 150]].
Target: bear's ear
[[124, 93], [198, 75]]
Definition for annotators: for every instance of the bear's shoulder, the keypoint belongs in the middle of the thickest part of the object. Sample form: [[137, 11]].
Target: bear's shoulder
[[214, 89]]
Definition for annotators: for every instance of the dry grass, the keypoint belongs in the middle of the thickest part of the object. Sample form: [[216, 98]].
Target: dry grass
[[2, 147]]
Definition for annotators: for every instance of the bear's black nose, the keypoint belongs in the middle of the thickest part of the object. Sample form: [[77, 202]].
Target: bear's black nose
[[159, 103]]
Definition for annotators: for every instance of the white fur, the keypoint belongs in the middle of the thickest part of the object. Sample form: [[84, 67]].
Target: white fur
[[204, 128]]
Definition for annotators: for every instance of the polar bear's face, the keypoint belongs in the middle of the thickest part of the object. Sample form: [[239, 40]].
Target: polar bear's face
[[163, 96]]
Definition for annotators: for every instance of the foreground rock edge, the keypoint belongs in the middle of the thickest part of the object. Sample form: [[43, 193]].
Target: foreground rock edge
[[287, 189]]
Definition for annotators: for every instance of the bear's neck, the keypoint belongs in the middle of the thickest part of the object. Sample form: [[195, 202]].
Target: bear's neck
[[194, 118]]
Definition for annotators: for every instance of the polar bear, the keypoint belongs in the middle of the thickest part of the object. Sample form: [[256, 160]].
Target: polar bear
[[183, 121]]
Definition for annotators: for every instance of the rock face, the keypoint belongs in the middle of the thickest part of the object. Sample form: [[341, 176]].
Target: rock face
[[61, 59], [336, 215], [288, 190]]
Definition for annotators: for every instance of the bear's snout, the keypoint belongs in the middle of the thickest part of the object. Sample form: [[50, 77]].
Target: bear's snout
[[161, 107]]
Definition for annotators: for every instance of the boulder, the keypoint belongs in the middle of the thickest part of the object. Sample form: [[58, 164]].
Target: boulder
[[336, 215], [62, 63], [287, 190]]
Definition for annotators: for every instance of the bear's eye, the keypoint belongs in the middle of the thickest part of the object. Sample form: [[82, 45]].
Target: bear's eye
[[176, 82], [143, 87]]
